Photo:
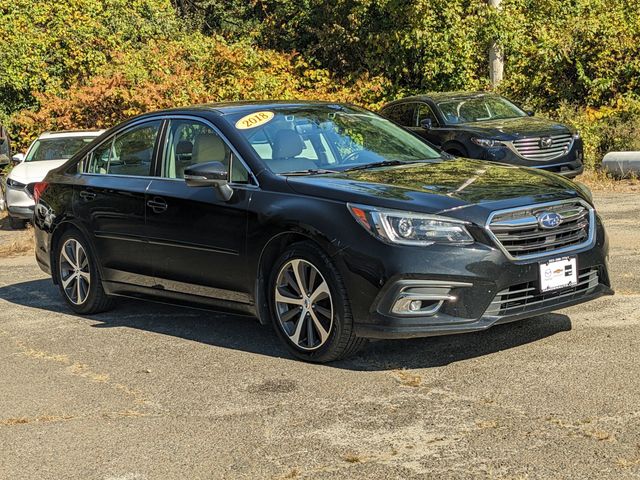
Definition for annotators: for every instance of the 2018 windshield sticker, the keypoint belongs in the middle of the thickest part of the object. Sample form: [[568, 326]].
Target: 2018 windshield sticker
[[254, 120]]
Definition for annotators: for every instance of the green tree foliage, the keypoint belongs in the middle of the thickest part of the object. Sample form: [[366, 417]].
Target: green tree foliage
[[81, 63], [584, 52], [46, 46], [90, 63], [578, 51]]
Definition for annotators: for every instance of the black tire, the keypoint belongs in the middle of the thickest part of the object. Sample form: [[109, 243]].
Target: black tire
[[96, 299], [17, 223], [457, 152], [341, 340]]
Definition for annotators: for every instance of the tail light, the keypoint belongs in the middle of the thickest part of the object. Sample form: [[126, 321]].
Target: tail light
[[38, 190]]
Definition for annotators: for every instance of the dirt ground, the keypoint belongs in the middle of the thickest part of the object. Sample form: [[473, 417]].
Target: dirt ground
[[154, 392]]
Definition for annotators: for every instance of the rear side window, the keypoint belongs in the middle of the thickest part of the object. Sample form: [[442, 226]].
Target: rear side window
[[190, 142], [128, 153], [403, 114]]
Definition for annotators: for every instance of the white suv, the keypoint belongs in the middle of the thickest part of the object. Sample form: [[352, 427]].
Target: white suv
[[48, 151]]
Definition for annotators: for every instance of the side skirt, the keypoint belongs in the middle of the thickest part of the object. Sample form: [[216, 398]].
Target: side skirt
[[159, 295]]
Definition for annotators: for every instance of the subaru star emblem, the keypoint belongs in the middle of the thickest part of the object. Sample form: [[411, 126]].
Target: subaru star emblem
[[549, 220], [545, 142]]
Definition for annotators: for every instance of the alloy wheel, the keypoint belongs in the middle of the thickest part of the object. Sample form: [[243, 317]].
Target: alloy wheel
[[303, 304], [74, 271]]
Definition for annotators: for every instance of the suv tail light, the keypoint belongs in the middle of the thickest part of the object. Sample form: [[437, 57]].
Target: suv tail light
[[38, 189]]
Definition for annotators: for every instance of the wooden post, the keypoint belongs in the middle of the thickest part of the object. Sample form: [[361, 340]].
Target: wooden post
[[496, 59]]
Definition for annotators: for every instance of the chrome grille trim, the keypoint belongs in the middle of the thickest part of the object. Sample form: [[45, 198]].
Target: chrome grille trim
[[512, 301], [518, 235], [530, 149]]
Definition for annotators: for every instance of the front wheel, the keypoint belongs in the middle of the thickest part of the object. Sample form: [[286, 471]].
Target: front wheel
[[78, 275], [17, 223], [309, 305]]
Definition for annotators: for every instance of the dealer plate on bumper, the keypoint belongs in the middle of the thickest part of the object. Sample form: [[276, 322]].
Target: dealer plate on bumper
[[558, 273]]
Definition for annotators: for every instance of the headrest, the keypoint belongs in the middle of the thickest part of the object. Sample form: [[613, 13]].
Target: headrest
[[209, 147], [184, 147], [287, 144]]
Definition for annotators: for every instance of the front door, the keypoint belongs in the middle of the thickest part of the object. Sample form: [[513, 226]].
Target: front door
[[433, 134], [198, 239]]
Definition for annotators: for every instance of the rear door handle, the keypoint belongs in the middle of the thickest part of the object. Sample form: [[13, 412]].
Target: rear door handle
[[87, 195], [158, 205]]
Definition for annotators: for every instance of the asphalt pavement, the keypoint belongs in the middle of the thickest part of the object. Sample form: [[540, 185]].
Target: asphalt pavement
[[149, 391]]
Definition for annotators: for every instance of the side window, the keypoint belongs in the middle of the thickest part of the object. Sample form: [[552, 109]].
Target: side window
[[424, 111], [190, 142], [402, 114], [99, 160], [128, 153]]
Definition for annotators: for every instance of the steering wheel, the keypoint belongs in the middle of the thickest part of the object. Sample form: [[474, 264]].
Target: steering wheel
[[352, 157]]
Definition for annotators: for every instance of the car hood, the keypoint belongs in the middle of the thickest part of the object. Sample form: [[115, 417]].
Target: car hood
[[29, 172], [513, 128], [441, 186]]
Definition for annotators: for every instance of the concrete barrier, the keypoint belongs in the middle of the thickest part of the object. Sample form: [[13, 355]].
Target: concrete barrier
[[622, 163]]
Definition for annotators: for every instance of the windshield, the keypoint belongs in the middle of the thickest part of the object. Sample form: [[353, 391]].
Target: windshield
[[478, 109], [327, 137], [56, 148]]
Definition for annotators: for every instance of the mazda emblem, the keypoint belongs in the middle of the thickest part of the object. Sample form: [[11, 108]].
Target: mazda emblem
[[546, 142]]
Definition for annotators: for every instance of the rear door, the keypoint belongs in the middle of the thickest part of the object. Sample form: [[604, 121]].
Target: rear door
[[197, 239], [111, 201]]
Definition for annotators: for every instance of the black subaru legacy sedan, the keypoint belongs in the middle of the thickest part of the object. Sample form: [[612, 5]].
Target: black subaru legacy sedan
[[489, 127], [325, 220]]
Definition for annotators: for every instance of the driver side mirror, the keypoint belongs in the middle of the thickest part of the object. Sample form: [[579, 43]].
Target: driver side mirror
[[209, 174], [426, 123], [530, 113], [17, 158]]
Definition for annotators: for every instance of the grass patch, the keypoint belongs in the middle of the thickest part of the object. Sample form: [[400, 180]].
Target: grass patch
[[601, 181], [351, 457], [19, 242]]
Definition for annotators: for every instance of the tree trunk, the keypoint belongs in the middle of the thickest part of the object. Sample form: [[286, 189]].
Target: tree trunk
[[496, 59]]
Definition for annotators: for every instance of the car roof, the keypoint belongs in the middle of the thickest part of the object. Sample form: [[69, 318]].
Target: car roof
[[71, 133], [225, 108], [441, 96]]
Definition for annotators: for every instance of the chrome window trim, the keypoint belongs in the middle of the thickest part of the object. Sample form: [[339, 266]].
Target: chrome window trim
[[164, 118], [555, 253]]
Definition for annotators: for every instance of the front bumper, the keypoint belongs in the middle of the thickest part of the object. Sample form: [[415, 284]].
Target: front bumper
[[471, 282], [20, 203]]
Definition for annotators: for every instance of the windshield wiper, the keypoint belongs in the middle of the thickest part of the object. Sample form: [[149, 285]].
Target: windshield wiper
[[386, 163], [310, 171]]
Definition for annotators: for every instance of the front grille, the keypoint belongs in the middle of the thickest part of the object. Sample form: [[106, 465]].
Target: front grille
[[521, 236], [535, 148], [527, 296]]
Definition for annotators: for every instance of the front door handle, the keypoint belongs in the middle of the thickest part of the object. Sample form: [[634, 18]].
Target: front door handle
[[87, 195], [158, 205]]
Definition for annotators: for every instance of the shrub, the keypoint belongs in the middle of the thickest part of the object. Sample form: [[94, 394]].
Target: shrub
[[187, 70], [604, 129]]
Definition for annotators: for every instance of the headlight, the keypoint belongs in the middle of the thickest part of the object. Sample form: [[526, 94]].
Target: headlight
[[487, 142], [408, 228], [576, 136], [12, 183]]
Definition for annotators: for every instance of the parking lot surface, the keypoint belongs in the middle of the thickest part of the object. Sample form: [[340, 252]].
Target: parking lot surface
[[149, 391]]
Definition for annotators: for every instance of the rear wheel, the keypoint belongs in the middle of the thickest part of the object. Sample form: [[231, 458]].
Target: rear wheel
[[78, 276], [310, 309]]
